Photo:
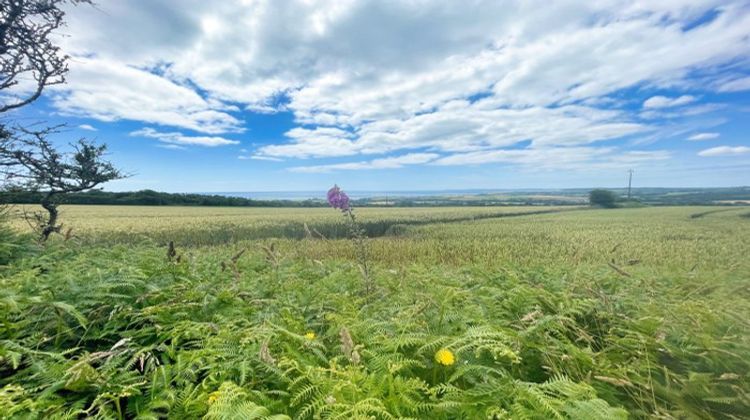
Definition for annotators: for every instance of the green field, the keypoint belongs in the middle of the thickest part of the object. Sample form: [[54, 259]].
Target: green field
[[547, 312]]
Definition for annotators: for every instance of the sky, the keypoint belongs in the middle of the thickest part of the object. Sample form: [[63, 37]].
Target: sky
[[270, 95]]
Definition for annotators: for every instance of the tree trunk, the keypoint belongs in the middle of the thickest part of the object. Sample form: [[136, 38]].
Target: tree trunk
[[50, 225]]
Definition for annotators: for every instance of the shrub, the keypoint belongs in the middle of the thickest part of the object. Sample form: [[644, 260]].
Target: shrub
[[603, 198]]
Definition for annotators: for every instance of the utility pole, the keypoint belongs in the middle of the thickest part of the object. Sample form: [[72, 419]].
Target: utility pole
[[630, 181]]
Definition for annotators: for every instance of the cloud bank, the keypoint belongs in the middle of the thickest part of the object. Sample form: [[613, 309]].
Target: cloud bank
[[381, 83]]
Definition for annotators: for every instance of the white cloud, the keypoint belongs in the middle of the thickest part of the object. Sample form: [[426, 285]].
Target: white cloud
[[703, 136], [371, 77], [724, 151], [735, 85], [171, 146], [633, 157], [680, 112], [461, 126], [545, 159], [383, 163], [266, 158], [110, 91], [555, 158], [666, 102], [87, 127], [321, 141], [179, 139]]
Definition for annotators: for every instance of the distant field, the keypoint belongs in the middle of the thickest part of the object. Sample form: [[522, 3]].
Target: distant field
[[213, 225], [486, 312]]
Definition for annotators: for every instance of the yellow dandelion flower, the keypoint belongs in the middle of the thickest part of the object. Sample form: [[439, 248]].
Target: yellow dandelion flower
[[445, 357], [310, 335], [212, 397]]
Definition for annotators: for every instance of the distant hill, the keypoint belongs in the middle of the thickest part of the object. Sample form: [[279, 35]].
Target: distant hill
[[688, 196], [573, 196]]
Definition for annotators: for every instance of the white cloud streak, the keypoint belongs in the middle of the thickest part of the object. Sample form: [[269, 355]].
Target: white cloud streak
[[666, 102], [266, 158], [703, 136], [384, 163], [724, 151], [554, 158], [735, 85], [179, 139]]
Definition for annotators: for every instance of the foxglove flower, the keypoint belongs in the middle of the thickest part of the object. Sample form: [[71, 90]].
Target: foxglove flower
[[338, 198]]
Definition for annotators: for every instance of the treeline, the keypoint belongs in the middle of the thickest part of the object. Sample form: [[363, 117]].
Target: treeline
[[156, 198], [681, 196], [645, 196], [696, 196], [153, 198]]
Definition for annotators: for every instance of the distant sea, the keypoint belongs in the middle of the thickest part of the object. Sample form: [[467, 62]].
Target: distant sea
[[307, 195]]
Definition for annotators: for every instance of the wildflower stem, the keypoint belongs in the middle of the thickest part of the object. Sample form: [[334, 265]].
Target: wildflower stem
[[359, 238]]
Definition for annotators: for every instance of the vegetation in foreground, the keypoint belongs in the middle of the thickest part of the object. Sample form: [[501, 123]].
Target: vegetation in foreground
[[587, 314], [496, 318]]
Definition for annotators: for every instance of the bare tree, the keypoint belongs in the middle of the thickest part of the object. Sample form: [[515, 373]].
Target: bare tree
[[27, 51], [29, 59], [38, 166], [29, 62]]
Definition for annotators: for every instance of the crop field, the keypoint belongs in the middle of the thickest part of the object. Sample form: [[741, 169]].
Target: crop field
[[439, 313], [195, 226]]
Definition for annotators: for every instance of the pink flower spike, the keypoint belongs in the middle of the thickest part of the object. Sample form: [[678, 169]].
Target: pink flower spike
[[338, 198]]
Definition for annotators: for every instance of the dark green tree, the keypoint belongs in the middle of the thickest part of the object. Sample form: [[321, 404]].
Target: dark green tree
[[39, 166], [603, 198]]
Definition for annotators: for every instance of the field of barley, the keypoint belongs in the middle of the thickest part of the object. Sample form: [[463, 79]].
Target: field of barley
[[440, 313]]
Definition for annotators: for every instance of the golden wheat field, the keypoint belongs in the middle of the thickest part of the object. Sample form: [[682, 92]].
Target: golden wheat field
[[193, 226], [670, 237]]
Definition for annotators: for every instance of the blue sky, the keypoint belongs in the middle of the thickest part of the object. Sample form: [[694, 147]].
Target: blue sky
[[195, 96]]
